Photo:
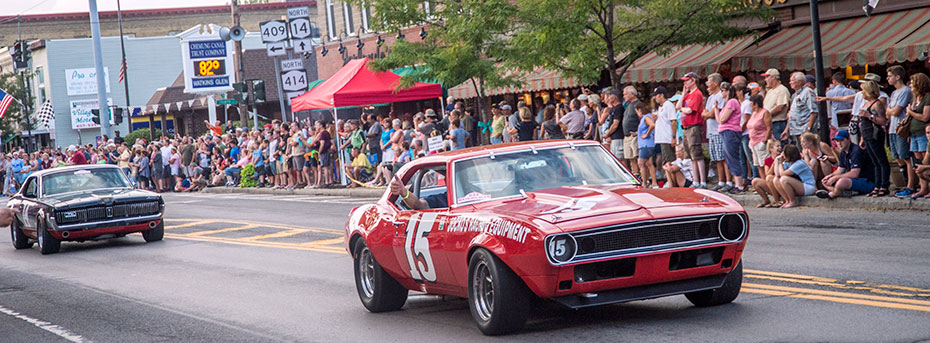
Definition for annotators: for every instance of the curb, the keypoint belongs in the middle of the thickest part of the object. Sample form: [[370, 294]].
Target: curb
[[888, 203], [349, 192]]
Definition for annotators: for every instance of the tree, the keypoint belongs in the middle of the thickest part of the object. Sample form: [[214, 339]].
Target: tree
[[14, 120], [589, 36], [466, 41]]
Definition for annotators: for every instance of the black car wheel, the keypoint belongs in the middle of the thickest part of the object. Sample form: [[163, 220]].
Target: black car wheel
[[378, 291], [47, 243], [154, 234], [20, 241], [723, 295], [498, 298]]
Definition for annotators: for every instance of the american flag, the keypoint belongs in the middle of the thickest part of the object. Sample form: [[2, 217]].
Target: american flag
[[122, 71], [5, 101]]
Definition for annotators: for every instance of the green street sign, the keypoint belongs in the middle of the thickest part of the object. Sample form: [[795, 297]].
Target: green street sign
[[226, 102]]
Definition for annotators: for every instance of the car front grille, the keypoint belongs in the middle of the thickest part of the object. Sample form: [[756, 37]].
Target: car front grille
[[100, 213], [640, 237]]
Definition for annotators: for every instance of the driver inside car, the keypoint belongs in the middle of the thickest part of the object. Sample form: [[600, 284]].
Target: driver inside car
[[411, 200]]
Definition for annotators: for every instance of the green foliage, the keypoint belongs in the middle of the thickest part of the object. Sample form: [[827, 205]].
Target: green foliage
[[465, 41], [588, 36], [14, 120], [140, 133], [247, 177]]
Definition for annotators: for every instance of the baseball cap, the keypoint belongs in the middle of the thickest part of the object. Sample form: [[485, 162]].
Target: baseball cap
[[430, 112], [771, 72], [841, 135], [872, 77], [506, 107], [615, 92], [660, 90], [583, 97], [753, 85], [690, 75], [811, 78], [675, 98]]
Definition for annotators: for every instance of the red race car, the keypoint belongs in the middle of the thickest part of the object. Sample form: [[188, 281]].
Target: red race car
[[504, 225]]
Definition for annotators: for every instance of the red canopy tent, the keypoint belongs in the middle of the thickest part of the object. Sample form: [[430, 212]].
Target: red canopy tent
[[357, 85]]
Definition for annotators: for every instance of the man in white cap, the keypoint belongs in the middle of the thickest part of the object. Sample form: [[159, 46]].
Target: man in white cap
[[512, 120], [777, 98], [583, 98]]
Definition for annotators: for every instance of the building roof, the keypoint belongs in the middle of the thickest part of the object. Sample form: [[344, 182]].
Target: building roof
[[157, 12]]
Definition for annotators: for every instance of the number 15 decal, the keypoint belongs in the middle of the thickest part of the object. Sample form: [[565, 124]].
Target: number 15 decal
[[418, 256]]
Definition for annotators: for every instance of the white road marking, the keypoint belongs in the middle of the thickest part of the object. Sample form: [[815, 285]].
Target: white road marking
[[337, 199], [55, 329]]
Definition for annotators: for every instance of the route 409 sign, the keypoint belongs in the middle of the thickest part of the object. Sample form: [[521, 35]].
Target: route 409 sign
[[205, 59]]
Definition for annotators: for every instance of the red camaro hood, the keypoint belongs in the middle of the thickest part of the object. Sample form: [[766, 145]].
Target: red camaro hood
[[564, 204]]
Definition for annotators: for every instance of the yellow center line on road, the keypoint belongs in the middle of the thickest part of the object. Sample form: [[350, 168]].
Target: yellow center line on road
[[839, 300], [838, 294], [264, 224], [189, 224], [325, 242], [265, 244], [278, 234], [210, 232], [851, 285], [787, 275]]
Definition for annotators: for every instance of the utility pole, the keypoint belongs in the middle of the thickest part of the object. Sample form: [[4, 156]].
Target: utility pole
[[240, 71], [818, 72], [22, 77], [103, 106], [125, 73]]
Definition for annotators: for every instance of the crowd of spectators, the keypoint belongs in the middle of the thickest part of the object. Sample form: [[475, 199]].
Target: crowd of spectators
[[744, 134]]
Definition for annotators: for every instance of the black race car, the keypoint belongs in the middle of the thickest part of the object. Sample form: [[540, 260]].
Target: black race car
[[80, 203]]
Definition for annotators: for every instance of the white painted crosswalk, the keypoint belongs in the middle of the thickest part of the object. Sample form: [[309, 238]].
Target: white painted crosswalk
[[339, 199]]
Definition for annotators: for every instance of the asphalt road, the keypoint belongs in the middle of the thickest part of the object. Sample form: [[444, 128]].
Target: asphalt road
[[258, 268]]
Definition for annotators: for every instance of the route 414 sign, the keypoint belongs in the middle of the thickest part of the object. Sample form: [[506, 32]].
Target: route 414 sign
[[294, 80]]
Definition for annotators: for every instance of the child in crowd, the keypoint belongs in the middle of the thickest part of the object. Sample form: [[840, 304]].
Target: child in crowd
[[765, 185], [646, 142], [795, 178], [678, 171]]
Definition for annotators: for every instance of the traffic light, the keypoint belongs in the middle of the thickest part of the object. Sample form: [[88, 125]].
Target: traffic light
[[96, 113], [118, 115], [258, 87]]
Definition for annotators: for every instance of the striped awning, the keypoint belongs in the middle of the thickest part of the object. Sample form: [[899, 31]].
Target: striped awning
[[849, 42], [700, 58], [914, 46], [538, 80]]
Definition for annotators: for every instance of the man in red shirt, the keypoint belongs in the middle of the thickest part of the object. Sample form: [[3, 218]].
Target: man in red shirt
[[77, 157], [691, 104]]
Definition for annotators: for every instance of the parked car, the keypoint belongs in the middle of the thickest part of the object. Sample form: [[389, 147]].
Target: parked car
[[507, 224], [81, 203]]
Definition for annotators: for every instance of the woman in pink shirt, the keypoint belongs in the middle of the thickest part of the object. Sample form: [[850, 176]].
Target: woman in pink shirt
[[760, 130], [729, 119]]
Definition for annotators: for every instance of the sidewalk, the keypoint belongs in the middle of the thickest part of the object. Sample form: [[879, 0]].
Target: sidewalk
[[358, 192], [887, 203]]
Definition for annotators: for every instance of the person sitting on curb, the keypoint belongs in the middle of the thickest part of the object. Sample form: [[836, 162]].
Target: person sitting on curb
[[765, 185], [678, 171], [854, 173], [795, 178], [359, 164], [818, 155], [923, 173]]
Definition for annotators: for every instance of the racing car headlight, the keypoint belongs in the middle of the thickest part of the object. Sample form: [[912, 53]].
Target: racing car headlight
[[561, 248], [732, 227]]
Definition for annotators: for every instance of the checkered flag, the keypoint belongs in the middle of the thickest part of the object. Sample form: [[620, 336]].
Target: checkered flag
[[46, 114]]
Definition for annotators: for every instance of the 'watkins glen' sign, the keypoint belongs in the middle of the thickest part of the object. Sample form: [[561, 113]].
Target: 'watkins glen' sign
[[205, 57]]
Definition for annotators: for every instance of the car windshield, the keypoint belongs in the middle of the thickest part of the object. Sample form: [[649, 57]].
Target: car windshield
[[510, 173], [82, 180]]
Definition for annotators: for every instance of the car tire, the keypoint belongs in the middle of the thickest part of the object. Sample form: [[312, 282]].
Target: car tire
[[378, 291], [723, 295], [47, 243], [498, 299], [154, 234], [19, 239]]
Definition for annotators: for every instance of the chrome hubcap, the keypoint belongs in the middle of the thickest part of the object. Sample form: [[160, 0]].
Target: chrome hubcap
[[483, 291], [366, 269]]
